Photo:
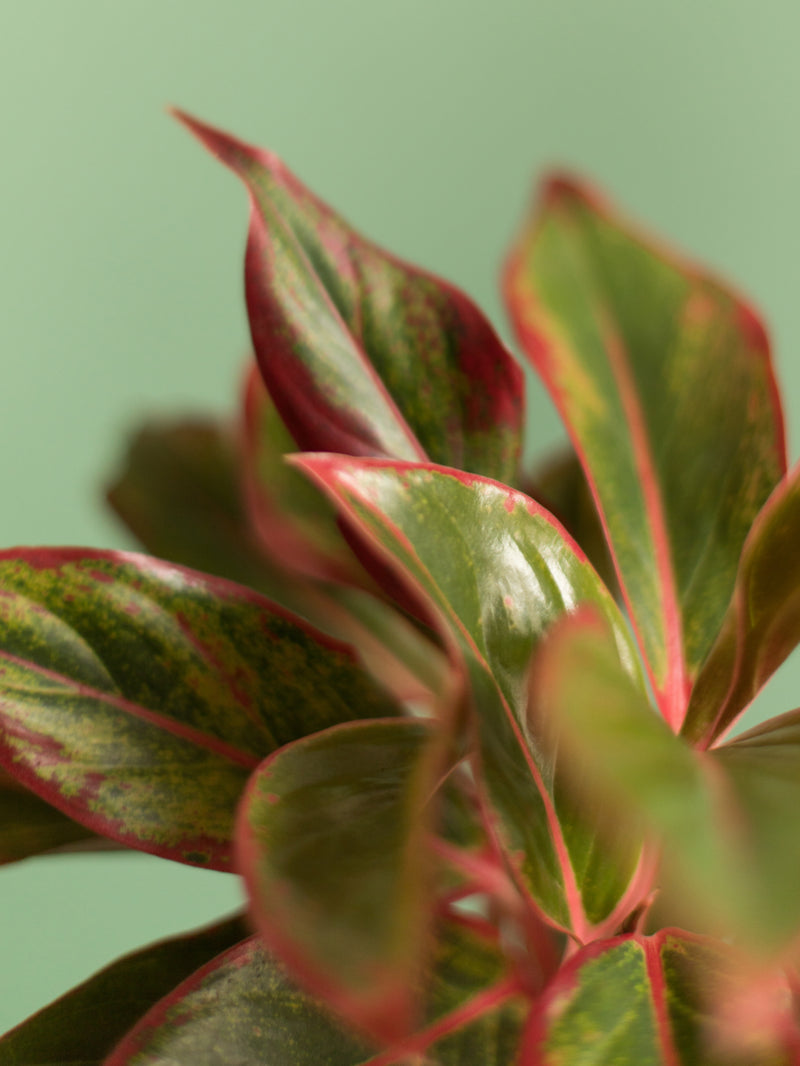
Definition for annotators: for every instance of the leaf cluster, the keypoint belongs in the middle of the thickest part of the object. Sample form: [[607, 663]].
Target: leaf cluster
[[462, 729]]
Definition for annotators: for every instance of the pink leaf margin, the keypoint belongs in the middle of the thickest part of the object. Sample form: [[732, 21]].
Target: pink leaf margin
[[331, 473], [674, 691]]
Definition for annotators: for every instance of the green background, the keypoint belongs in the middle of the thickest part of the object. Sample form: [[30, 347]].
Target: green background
[[424, 122]]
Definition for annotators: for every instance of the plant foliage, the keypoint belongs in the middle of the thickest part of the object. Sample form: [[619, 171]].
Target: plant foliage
[[462, 729]]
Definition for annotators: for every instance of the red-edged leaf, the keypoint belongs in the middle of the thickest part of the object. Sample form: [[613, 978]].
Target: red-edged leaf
[[332, 845], [364, 354], [731, 854], [179, 492], [645, 1000], [664, 380], [83, 1026], [762, 625], [137, 697], [560, 485], [242, 1009], [29, 826], [496, 570], [761, 782], [294, 521]]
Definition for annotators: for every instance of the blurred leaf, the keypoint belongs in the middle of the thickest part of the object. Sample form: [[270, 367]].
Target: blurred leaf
[[332, 846], [664, 380], [242, 1009], [362, 353], [294, 521], [731, 856], [83, 1026], [137, 697], [762, 625], [497, 570], [178, 491], [644, 1000], [762, 779]]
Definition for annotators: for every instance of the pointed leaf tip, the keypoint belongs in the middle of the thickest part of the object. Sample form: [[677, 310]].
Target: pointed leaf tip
[[363, 353], [560, 187], [230, 150]]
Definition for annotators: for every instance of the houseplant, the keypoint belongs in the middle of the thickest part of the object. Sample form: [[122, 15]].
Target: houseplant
[[481, 815]]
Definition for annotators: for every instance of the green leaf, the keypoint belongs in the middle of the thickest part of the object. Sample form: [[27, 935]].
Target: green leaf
[[762, 779], [243, 1009], [29, 826], [179, 492], [762, 625], [560, 485], [497, 570], [663, 378], [294, 521], [364, 354], [731, 856], [137, 697], [83, 1026], [643, 1000], [332, 845]]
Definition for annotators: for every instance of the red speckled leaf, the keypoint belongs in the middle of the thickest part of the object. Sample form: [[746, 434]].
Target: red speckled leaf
[[332, 845], [364, 354], [179, 492], [83, 1026], [496, 570], [663, 377], [644, 1000], [243, 1009], [762, 625], [137, 697]]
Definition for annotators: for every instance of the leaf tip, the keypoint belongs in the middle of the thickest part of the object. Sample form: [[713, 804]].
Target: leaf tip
[[235, 154], [560, 188]]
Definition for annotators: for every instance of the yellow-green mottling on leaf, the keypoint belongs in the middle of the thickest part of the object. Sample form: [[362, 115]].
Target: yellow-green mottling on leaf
[[137, 696]]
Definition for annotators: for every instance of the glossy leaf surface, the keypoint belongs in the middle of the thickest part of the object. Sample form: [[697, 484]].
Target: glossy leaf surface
[[731, 856], [362, 353], [82, 1027], [498, 570], [137, 697], [179, 492], [332, 845], [640, 1000], [762, 625], [560, 485], [243, 1009], [663, 378]]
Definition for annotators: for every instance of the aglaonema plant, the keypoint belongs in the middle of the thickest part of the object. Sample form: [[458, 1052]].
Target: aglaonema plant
[[474, 770]]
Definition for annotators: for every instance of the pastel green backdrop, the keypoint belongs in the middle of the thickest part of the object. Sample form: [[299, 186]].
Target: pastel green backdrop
[[424, 122]]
